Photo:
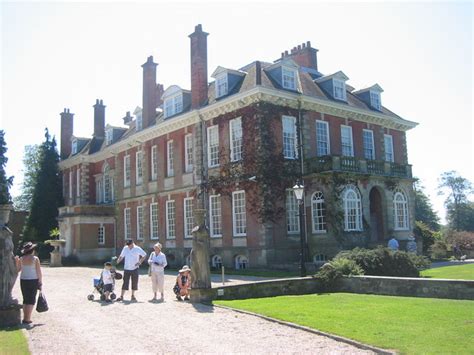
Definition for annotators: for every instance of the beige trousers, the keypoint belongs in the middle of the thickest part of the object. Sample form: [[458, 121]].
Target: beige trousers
[[157, 281]]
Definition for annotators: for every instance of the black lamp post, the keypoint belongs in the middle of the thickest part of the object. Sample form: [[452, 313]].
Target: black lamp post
[[298, 189]]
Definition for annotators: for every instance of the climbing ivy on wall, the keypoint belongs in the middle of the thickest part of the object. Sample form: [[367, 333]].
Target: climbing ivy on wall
[[262, 158]]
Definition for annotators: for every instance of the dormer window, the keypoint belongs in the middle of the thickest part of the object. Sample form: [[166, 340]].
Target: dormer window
[[339, 88], [108, 136], [139, 121], [74, 146], [173, 105], [375, 100], [221, 85], [288, 78]]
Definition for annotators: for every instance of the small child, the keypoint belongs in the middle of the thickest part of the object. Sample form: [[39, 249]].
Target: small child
[[183, 284], [108, 280]]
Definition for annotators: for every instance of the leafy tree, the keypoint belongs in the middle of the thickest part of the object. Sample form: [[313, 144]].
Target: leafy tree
[[457, 204], [31, 159], [424, 209], [5, 183], [47, 193]]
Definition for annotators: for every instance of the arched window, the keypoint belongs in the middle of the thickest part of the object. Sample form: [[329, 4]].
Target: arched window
[[400, 210], [318, 212], [216, 261], [352, 209], [241, 262]]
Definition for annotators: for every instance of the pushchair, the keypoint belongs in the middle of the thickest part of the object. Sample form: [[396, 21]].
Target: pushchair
[[99, 286]]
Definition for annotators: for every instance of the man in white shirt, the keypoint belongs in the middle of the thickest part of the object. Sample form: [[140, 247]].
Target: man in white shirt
[[133, 256], [393, 244]]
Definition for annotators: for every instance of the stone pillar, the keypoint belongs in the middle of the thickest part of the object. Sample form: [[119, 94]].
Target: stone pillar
[[200, 273], [9, 309]]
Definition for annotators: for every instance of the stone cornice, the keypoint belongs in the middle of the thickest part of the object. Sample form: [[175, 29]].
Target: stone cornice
[[235, 102]]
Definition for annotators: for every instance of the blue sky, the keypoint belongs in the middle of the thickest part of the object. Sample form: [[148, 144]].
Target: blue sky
[[57, 55]]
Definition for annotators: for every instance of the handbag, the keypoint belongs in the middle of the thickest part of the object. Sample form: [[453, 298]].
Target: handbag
[[42, 304]]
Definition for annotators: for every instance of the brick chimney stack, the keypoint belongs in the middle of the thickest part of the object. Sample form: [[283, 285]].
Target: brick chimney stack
[[303, 55], [99, 119], [67, 128], [198, 67], [150, 92]]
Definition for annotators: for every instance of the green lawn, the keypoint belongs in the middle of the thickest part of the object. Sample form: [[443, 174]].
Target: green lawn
[[460, 272], [409, 325], [13, 341]]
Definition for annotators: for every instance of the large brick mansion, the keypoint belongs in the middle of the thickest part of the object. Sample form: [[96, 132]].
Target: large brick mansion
[[236, 146]]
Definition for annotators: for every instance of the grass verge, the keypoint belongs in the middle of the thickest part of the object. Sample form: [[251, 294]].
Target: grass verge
[[457, 272], [409, 325], [13, 341]]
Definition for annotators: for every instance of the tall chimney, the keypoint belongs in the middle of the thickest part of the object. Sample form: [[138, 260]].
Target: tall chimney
[[150, 95], [67, 128], [303, 55], [198, 67], [99, 119]]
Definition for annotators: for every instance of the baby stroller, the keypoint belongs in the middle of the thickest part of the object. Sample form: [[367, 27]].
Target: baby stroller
[[99, 286]]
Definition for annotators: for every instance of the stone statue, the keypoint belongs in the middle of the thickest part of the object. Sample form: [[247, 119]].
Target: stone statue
[[200, 270], [8, 269]]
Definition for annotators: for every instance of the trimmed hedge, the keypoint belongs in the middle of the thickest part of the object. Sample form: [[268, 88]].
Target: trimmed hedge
[[385, 262]]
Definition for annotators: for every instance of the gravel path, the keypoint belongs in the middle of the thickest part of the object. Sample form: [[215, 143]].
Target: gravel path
[[74, 325]]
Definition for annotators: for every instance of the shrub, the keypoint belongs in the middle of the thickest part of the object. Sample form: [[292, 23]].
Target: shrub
[[385, 262], [464, 240], [439, 250], [330, 272]]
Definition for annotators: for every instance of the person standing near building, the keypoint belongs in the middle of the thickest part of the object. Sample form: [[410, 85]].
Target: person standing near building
[[157, 262], [134, 257], [393, 244]]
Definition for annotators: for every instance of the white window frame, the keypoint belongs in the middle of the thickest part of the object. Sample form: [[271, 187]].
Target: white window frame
[[388, 143], [292, 212], [349, 143], [70, 184], [74, 146], [101, 234], [236, 136], [188, 217], [99, 190], [140, 223], [400, 211], [126, 171], [241, 262], [108, 136], [170, 158], [375, 100], [352, 221], [154, 163], [138, 167], [216, 261], [239, 218], [154, 223], [339, 84], [139, 120], [288, 78], [170, 219], [173, 105], [213, 146], [318, 213], [78, 182], [215, 216], [222, 85], [369, 140], [127, 223], [107, 185], [188, 153], [289, 146], [326, 141]]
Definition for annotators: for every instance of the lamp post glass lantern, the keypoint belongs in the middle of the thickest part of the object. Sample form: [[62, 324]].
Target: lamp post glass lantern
[[298, 189]]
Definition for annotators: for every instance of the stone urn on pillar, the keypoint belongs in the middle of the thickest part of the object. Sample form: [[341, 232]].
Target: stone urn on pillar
[[200, 269], [56, 259], [9, 308]]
